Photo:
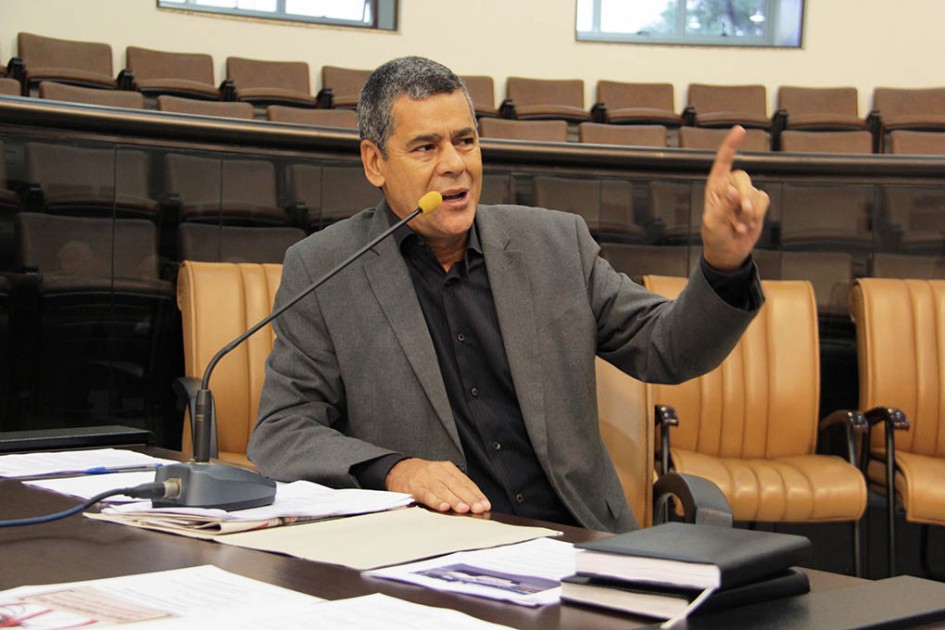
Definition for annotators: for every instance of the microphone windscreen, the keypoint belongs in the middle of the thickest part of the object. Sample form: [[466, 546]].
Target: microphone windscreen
[[430, 201]]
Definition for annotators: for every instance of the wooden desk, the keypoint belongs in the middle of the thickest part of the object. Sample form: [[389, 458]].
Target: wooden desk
[[78, 548]]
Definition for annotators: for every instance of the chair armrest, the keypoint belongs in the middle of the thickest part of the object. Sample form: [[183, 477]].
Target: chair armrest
[[852, 422], [599, 112], [507, 109], [689, 116], [126, 80], [894, 420], [665, 417], [702, 501], [779, 123], [16, 69], [325, 98], [300, 215], [874, 122], [228, 90]]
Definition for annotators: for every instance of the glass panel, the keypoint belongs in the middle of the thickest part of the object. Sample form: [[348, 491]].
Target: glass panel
[[643, 17], [348, 10]]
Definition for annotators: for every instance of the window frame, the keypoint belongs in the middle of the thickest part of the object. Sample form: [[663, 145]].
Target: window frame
[[681, 38], [383, 14]]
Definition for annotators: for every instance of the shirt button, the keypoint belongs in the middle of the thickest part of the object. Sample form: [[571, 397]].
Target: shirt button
[[461, 337], [474, 391], [520, 498], [497, 446]]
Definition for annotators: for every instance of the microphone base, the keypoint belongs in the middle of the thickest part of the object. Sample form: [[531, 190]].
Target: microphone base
[[205, 485]]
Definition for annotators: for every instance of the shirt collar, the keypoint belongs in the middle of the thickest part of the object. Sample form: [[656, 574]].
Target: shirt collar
[[404, 234]]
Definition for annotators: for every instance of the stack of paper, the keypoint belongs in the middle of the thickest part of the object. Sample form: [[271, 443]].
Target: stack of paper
[[295, 502]]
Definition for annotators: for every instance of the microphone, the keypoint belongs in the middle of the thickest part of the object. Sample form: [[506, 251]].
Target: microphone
[[200, 483]]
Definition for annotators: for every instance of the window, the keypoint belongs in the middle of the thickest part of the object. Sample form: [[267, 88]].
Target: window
[[379, 14], [699, 22]]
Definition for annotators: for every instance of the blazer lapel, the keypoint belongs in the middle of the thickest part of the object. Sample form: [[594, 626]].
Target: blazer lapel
[[515, 307], [390, 280]]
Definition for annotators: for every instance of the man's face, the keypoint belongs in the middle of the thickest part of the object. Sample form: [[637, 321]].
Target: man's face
[[434, 146]]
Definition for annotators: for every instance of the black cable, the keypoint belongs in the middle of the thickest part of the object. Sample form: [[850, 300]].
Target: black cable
[[153, 490]]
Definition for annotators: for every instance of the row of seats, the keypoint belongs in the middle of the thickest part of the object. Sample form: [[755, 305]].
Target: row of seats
[[262, 83]]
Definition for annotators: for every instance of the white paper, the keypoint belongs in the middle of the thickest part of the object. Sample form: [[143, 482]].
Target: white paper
[[181, 598], [372, 612], [27, 464], [527, 573]]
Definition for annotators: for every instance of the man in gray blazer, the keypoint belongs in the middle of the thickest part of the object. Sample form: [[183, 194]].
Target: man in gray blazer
[[455, 361]]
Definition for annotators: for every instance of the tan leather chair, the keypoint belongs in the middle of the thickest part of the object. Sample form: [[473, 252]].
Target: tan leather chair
[[218, 302], [751, 425], [899, 327]]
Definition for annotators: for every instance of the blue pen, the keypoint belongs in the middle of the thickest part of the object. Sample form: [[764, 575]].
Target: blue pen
[[103, 470]]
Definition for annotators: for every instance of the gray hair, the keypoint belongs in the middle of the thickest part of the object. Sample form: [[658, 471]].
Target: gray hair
[[416, 77]]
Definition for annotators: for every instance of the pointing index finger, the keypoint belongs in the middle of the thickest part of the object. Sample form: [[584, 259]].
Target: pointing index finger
[[725, 156]]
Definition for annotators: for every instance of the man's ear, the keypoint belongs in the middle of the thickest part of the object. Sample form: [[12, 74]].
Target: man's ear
[[371, 159]]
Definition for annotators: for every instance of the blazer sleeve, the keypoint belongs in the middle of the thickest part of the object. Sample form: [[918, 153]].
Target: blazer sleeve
[[302, 410], [655, 339]]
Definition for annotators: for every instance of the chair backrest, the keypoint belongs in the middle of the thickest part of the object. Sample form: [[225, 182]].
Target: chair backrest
[[341, 118], [628, 432], [90, 180], [917, 142], [913, 218], [154, 68], [83, 247], [827, 141], [481, 90], [900, 341], [762, 401], [829, 100], [227, 109], [331, 193], [710, 139], [229, 243], [345, 84], [825, 217], [534, 130], [527, 92], [90, 96], [627, 135], [637, 261], [894, 103], [743, 99], [619, 95], [218, 302], [83, 63], [10, 87], [605, 205], [270, 81], [905, 266]]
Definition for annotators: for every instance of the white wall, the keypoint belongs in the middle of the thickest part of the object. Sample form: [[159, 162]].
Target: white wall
[[863, 43]]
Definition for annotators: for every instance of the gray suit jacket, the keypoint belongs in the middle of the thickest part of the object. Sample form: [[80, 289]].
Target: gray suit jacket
[[353, 374]]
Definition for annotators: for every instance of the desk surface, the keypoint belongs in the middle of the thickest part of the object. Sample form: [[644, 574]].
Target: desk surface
[[78, 548]]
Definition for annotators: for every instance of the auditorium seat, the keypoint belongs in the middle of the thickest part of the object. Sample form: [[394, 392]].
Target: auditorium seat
[[912, 219], [917, 142], [850, 142], [87, 64], [727, 105], [157, 72], [93, 317], [10, 87], [225, 109], [481, 90], [606, 205], [884, 265], [8, 198], [227, 243], [326, 194], [496, 189], [340, 118], [636, 104], [90, 96], [229, 191], [545, 99], [628, 135], [637, 261], [817, 109], [270, 82], [830, 273], [532, 130], [921, 109], [341, 87], [826, 217], [675, 209], [752, 425], [710, 139], [89, 181]]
